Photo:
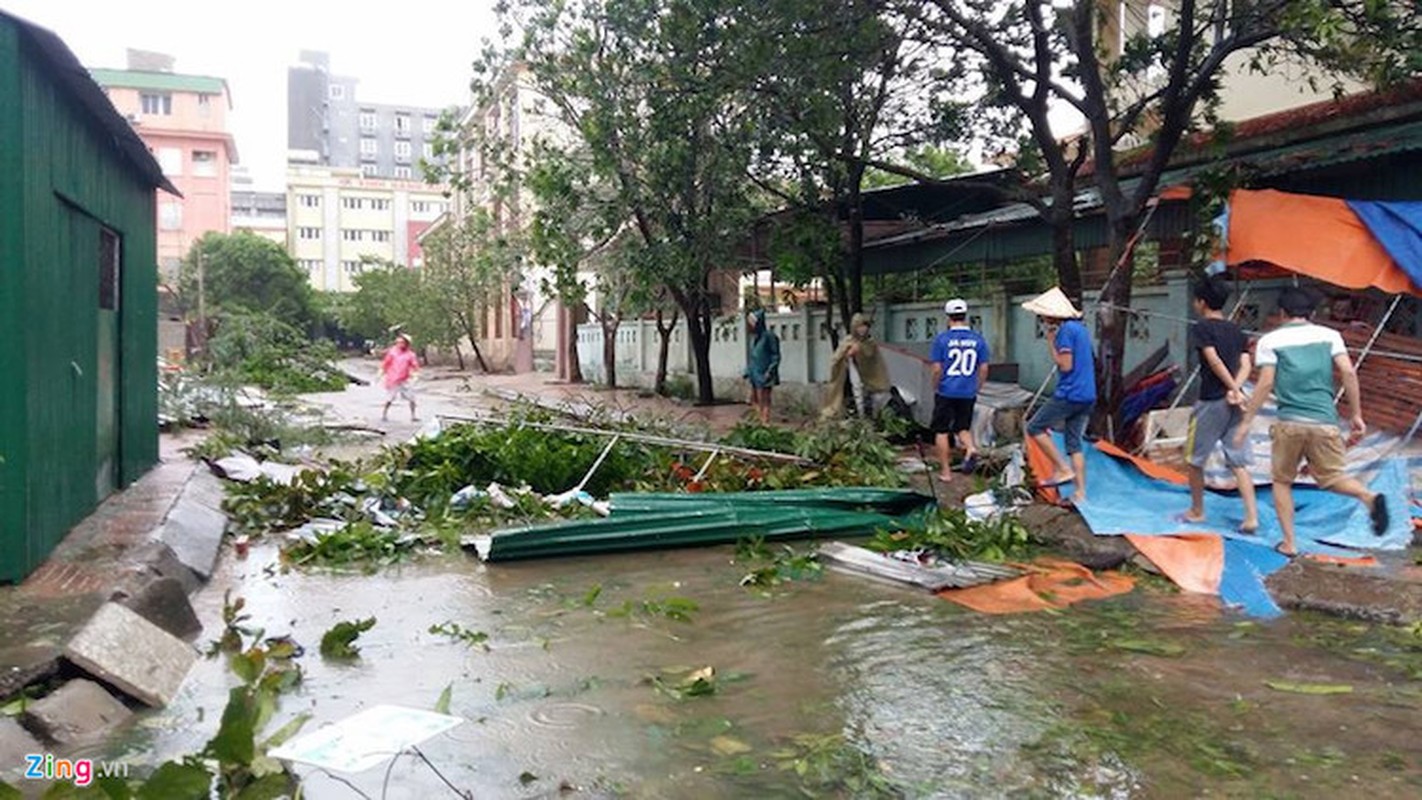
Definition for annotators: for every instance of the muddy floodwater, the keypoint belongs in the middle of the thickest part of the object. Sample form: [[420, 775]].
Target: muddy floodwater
[[836, 687]]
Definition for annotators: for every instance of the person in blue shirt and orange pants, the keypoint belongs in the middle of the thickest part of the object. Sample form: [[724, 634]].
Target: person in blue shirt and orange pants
[[1069, 408], [960, 361]]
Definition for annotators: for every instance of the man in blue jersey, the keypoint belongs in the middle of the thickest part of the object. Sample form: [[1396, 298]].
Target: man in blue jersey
[[1069, 408], [960, 361]]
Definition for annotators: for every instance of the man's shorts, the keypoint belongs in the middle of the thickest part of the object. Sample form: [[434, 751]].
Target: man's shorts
[[952, 414], [400, 391], [1319, 444], [1216, 421], [1063, 415]]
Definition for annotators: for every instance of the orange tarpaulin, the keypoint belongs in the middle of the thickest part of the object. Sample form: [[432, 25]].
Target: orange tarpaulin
[[1194, 561], [1316, 236], [1049, 584]]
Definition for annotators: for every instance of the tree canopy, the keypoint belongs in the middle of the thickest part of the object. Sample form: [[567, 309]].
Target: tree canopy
[[243, 271]]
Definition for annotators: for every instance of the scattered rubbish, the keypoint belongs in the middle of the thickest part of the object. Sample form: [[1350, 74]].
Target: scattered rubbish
[[680, 685], [442, 704], [338, 643], [526, 777], [777, 567], [366, 739], [1150, 647], [933, 576], [724, 745]]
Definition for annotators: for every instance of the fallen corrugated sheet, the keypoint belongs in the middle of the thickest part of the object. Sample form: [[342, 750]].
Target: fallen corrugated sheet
[[933, 578], [650, 521]]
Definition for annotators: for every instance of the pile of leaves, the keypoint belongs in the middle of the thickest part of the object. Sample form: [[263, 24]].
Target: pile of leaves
[[513, 454], [954, 536], [843, 453], [261, 350]]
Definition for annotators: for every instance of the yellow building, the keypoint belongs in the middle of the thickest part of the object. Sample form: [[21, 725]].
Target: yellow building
[[336, 219]]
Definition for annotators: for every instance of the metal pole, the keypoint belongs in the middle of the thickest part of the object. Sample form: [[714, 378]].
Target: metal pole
[[584, 482], [1397, 298], [705, 447], [701, 473]]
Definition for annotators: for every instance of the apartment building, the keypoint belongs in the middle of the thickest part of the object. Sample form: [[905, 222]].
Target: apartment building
[[183, 121], [337, 217], [330, 126], [518, 117], [262, 213]]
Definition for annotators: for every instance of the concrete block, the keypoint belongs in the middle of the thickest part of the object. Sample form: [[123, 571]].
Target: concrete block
[[164, 602], [77, 712], [195, 525], [15, 744], [128, 652], [157, 560]]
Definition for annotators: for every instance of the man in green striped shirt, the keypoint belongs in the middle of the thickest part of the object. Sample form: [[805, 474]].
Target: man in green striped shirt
[[1296, 362]]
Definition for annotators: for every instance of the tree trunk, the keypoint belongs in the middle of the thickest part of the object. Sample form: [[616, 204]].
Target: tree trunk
[[855, 263], [609, 349], [471, 331], [659, 384], [1062, 219], [1111, 327], [459, 354], [575, 369]]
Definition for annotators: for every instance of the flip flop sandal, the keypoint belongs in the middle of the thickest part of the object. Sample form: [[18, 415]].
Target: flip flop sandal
[[1052, 483]]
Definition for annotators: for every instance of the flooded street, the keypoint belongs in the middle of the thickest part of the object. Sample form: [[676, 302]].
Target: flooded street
[[833, 687]]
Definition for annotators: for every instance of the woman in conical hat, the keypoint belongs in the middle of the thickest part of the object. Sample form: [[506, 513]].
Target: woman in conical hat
[[1069, 408]]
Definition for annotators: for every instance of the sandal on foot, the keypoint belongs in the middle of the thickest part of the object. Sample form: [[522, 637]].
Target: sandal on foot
[[1378, 512]]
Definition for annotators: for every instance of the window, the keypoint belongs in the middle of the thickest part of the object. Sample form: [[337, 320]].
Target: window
[[205, 105], [379, 204], [308, 233], [380, 236], [402, 150], [368, 146], [404, 173], [367, 170], [170, 216], [156, 102], [351, 267], [310, 264], [428, 125], [429, 151], [367, 119], [205, 163], [352, 235], [108, 270], [171, 160], [338, 92], [402, 124], [310, 200]]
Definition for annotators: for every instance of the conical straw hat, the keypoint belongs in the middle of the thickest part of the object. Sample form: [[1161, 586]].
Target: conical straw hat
[[1052, 303]]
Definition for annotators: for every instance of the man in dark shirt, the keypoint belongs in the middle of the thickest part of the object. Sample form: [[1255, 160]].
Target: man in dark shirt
[[1224, 367]]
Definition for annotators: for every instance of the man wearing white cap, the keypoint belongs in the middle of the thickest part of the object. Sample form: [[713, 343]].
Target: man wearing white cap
[[1069, 408], [960, 361]]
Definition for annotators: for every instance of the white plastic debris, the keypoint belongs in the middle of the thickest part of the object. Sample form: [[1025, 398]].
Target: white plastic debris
[[466, 497], [499, 497]]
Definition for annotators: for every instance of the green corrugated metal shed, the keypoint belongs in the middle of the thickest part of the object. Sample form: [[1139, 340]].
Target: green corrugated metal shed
[[78, 298], [159, 81]]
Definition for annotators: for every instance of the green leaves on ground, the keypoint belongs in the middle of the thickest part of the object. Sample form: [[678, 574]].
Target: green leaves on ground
[[338, 643], [1309, 688], [953, 535], [674, 608], [680, 684], [774, 567], [358, 543], [441, 705], [459, 633]]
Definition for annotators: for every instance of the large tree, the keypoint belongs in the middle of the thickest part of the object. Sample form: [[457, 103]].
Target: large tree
[[837, 87], [1022, 60], [470, 266], [243, 271], [650, 90]]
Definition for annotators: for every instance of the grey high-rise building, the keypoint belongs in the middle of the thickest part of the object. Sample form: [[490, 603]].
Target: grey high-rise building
[[327, 124]]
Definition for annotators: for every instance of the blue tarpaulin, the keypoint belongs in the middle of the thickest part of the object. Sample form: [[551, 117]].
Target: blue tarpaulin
[[1123, 500], [1398, 228]]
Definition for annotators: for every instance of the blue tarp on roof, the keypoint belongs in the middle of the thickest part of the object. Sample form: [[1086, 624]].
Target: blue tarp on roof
[[1398, 228]]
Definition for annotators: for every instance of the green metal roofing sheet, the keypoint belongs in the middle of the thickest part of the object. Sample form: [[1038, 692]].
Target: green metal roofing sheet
[[159, 81]]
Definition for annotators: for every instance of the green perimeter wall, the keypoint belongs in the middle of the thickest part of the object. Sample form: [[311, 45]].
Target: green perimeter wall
[[63, 177]]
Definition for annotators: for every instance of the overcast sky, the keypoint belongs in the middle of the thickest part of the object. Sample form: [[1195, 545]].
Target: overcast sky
[[415, 51]]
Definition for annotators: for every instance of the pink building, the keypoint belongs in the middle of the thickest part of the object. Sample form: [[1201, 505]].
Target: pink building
[[183, 120]]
